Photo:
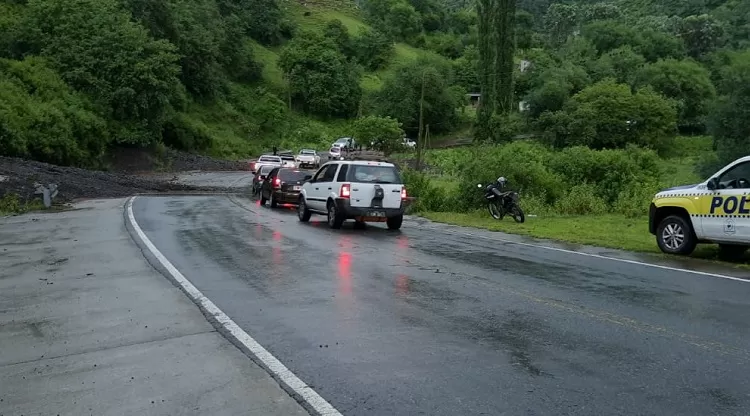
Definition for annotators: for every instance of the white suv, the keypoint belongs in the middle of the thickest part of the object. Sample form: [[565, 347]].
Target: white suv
[[354, 189]]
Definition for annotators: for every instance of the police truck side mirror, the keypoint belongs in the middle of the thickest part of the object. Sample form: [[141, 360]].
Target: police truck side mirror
[[713, 183]]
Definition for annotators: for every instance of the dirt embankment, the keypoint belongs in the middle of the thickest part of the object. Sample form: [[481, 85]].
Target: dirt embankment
[[19, 176]]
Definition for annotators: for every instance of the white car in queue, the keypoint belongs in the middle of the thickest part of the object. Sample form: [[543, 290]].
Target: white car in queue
[[364, 191]]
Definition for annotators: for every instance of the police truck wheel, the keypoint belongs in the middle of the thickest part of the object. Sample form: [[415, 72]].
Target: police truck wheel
[[675, 236]]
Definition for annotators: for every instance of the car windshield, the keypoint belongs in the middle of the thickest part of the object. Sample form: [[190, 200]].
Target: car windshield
[[292, 175], [374, 174], [335, 150], [287, 157], [269, 159], [307, 152]]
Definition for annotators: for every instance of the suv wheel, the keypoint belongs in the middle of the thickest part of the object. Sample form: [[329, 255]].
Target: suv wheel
[[335, 219], [394, 223], [302, 212], [675, 235]]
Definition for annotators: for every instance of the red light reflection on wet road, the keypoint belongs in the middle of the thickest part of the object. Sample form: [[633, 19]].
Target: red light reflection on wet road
[[345, 266], [277, 257]]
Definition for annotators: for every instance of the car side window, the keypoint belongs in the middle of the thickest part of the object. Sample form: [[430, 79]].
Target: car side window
[[273, 173], [330, 173], [319, 174], [737, 177], [341, 177]]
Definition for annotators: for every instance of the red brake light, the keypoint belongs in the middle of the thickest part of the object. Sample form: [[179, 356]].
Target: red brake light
[[277, 183], [346, 190], [403, 193]]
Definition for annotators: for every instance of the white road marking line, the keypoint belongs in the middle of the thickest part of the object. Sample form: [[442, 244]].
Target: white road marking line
[[310, 396], [598, 256]]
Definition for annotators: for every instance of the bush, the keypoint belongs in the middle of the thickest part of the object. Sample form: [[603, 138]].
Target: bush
[[184, 133], [574, 181], [384, 132], [42, 118], [429, 197], [581, 200]]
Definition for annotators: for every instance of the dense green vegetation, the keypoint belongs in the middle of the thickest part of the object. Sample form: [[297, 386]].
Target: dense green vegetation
[[606, 87]]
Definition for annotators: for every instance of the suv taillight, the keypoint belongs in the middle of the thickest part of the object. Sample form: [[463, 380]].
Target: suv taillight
[[277, 183], [346, 190], [403, 193]]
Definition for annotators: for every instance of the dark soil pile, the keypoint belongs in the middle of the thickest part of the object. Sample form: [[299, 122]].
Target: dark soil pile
[[19, 176], [143, 160]]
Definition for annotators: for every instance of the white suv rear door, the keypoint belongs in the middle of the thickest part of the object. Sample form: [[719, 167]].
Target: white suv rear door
[[366, 179]]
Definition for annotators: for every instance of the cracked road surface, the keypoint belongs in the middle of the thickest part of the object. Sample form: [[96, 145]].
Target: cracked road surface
[[432, 321]]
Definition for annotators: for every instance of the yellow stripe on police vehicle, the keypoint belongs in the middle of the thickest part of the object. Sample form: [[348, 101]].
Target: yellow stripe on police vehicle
[[714, 211]]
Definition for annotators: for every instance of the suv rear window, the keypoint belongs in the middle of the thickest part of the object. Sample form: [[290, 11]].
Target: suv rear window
[[269, 159], [335, 150], [373, 174], [287, 157], [265, 169], [291, 175]]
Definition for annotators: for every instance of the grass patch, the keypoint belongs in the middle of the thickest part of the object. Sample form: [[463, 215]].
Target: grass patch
[[11, 204], [611, 231], [607, 231], [272, 74]]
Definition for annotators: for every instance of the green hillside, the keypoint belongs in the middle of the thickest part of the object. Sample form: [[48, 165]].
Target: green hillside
[[234, 77]]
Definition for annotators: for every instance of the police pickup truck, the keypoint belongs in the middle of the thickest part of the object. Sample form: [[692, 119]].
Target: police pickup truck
[[714, 211]]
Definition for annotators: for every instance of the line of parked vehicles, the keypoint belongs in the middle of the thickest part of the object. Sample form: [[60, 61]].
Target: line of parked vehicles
[[359, 190]]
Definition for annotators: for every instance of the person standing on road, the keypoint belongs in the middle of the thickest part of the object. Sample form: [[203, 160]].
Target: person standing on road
[[274, 150]]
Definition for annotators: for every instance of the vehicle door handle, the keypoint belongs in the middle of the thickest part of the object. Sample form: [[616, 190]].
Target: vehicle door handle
[[395, 190], [317, 189], [330, 189]]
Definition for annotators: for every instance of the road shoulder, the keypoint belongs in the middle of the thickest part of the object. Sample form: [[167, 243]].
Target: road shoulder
[[89, 327]]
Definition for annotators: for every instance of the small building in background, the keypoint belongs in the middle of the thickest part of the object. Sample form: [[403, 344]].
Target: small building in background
[[474, 99]]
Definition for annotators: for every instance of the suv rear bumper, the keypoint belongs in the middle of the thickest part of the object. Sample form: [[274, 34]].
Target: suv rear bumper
[[343, 205]]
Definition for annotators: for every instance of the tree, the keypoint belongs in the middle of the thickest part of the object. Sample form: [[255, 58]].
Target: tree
[[487, 59], [373, 49], [466, 69], [622, 64], [384, 132], [728, 120], [339, 34], [403, 21], [609, 115], [560, 21], [505, 48], [263, 19], [43, 118], [320, 78], [607, 35], [702, 34], [552, 87], [400, 96], [99, 50], [688, 83]]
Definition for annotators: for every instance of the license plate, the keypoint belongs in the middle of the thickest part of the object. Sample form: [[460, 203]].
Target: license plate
[[297, 188], [376, 214]]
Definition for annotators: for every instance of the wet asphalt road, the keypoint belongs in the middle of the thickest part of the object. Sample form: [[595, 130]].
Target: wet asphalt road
[[432, 321]]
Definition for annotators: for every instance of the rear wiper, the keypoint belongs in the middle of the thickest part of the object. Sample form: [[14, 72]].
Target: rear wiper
[[383, 182]]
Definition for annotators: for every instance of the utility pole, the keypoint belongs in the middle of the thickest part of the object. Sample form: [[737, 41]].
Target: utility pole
[[420, 135]]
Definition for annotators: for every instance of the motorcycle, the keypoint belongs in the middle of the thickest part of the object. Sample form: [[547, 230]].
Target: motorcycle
[[501, 202]]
